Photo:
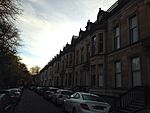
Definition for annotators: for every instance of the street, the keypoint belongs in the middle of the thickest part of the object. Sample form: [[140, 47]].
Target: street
[[33, 103]]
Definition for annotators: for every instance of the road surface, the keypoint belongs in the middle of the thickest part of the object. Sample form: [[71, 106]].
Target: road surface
[[33, 103]]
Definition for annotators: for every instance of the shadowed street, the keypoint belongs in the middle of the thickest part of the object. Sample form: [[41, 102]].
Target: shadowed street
[[32, 103]]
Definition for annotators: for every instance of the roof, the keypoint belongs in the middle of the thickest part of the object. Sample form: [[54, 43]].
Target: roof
[[83, 93]]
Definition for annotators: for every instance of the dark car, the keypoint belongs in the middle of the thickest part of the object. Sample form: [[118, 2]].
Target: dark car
[[48, 94], [5, 102], [143, 110], [14, 94], [41, 90]]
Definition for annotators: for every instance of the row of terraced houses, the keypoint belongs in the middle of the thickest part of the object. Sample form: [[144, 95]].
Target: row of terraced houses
[[111, 55]]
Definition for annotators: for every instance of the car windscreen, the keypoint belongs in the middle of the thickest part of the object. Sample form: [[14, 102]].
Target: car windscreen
[[66, 92], [53, 90], [92, 98]]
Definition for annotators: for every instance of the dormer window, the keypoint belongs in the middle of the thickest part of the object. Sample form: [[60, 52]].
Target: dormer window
[[100, 14], [80, 33], [100, 17], [88, 27]]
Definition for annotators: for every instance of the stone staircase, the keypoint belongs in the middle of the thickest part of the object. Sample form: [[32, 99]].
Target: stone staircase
[[134, 99], [126, 101], [138, 104]]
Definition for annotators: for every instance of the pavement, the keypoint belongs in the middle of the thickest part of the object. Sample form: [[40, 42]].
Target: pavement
[[33, 103]]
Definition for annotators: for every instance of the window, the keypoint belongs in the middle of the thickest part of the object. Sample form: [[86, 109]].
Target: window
[[77, 57], [100, 43], [63, 64], [93, 45], [76, 79], [83, 78], [66, 80], [70, 60], [117, 38], [82, 55], [118, 81], [133, 29], [77, 96], [88, 51], [67, 61], [136, 71], [93, 75], [69, 79], [92, 98], [58, 67], [101, 74]]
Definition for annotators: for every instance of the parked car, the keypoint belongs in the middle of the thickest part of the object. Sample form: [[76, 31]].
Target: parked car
[[61, 95], [81, 89], [5, 102], [14, 94], [81, 102], [44, 89], [41, 90], [53, 96], [143, 110], [48, 94]]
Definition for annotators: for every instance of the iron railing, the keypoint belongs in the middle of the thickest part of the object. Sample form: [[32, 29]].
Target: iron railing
[[133, 95], [125, 99]]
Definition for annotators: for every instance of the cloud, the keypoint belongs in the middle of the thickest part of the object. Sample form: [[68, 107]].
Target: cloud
[[47, 25]]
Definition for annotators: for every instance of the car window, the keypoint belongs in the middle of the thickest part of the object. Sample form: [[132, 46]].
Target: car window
[[92, 98], [57, 91], [72, 96], [77, 96]]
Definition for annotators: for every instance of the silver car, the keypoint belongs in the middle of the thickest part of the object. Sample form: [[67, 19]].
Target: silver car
[[81, 102], [62, 95]]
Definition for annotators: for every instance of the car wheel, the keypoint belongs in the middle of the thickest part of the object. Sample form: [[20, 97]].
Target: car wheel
[[74, 110]]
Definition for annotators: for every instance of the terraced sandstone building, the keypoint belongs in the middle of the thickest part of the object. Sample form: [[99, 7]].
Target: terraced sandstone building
[[111, 56]]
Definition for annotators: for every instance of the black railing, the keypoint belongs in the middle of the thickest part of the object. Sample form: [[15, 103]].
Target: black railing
[[112, 100], [133, 95], [147, 96]]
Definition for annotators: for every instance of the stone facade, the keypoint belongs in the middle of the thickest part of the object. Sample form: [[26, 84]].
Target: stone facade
[[112, 53]]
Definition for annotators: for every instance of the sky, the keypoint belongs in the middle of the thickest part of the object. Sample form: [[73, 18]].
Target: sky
[[46, 26]]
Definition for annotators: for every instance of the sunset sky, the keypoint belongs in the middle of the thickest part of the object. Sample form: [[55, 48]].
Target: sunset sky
[[47, 25]]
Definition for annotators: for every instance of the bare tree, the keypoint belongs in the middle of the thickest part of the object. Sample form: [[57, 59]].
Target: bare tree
[[9, 37], [35, 70], [9, 40], [8, 10]]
